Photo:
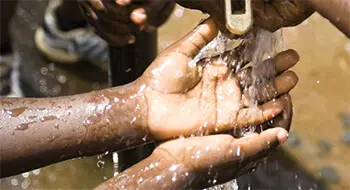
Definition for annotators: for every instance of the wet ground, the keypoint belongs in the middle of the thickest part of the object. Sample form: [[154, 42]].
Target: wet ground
[[317, 151]]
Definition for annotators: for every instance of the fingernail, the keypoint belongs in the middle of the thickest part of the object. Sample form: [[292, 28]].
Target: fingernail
[[123, 2], [139, 16], [282, 136]]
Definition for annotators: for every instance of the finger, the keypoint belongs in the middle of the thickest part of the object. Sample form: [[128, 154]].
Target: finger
[[97, 4], [123, 2], [286, 60], [139, 16], [281, 63], [284, 119], [261, 144], [257, 115], [280, 85], [218, 153], [88, 12], [193, 42]]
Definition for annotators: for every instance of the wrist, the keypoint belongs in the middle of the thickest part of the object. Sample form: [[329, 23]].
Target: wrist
[[120, 118], [158, 171]]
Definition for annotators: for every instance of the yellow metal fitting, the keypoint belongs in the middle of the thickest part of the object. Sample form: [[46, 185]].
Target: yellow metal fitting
[[239, 16]]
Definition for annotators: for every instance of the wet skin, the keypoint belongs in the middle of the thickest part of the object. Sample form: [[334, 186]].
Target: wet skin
[[118, 22], [275, 14], [38, 132]]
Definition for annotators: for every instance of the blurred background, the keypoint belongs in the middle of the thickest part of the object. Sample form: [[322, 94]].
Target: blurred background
[[316, 156]]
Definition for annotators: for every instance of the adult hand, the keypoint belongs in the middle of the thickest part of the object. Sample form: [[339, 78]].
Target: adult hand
[[199, 162], [119, 21], [271, 15], [185, 98]]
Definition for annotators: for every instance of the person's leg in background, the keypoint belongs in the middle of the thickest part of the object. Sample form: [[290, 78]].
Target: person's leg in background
[[65, 36], [7, 10]]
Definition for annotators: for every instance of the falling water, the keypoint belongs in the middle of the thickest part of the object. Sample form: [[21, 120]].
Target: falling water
[[254, 47]]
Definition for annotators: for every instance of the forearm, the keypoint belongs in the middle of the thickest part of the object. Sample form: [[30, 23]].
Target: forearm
[[336, 11], [39, 132]]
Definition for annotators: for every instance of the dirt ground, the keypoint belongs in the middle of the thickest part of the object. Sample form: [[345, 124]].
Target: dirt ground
[[315, 156]]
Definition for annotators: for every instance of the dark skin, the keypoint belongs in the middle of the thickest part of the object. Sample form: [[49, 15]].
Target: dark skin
[[275, 14], [158, 106], [147, 15]]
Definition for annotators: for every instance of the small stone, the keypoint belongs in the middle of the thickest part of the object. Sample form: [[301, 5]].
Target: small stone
[[329, 174], [293, 139], [346, 138], [345, 119], [325, 145]]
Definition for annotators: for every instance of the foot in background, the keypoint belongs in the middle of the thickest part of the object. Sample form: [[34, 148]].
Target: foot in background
[[65, 40]]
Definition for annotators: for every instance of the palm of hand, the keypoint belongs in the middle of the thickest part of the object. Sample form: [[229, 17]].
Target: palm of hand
[[191, 99]]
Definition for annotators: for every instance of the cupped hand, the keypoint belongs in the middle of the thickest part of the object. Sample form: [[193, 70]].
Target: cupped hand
[[202, 162], [271, 15], [185, 98], [118, 21]]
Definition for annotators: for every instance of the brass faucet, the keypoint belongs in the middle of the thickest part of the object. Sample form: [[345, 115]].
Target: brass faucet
[[239, 16]]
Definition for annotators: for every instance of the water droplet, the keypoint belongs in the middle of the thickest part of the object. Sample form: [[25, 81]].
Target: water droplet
[[25, 174], [115, 99], [144, 138], [140, 180], [44, 71], [108, 107], [133, 120], [238, 151], [62, 79], [173, 178], [22, 126], [14, 182], [173, 167], [179, 12], [48, 118], [158, 177], [36, 172], [128, 70], [16, 111], [100, 164]]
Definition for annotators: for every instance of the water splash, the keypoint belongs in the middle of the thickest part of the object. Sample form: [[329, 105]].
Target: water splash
[[250, 50]]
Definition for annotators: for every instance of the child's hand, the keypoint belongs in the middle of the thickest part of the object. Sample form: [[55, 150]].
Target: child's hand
[[119, 21], [271, 15], [185, 98], [198, 162]]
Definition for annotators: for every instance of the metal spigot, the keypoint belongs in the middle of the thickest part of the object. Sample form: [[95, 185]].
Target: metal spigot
[[239, 16]]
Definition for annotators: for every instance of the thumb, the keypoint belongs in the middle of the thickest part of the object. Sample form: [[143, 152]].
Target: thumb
[[173, 71], [194, 41]]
